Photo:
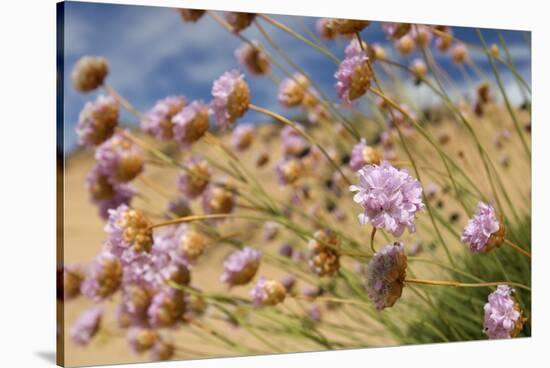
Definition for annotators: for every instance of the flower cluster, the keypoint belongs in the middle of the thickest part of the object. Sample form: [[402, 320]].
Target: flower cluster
[[503, 316], [484, 231]]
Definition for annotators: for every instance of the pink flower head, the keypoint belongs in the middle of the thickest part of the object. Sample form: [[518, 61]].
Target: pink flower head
[[86, 326], [231, 98], [253, 58], [294, 143], [355, 48], [292, 91], [353, 77], [503, 318], [241, 266], [167, 307], [390, 198], [158, 121], [190, 123], [106, 194], [119, 158], [268, 292], [97, 121], [480, 228], [129, 228]]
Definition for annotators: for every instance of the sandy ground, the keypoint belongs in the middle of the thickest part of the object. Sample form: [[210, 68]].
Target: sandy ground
[[83, 229]]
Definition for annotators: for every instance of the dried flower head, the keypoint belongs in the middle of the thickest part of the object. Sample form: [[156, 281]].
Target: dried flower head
[[105, 193], [253, 58], [241, 266], [443, 42], [217, 200], [324, 30], [354, 47], [179, 207], [231, 98], [119, 158], [129, 228], [396, 30], [268, 292], [89, 72], [385, 275], [191, 244], [484, 231], [503, 315], [239, 21], [389, 197], [376, 52], [353, 77], [97, 121], [191, 15], [72, 279], [142, 339], [362, 154], [347, 26], [86, 326], [166, 309], [136, 300], [190, 123], [162, 350], [324, 258], [104, 277], [484, 93], [158, 121], [289, 282], [422, 35], [242, 136], [292, 90], [194, 180]]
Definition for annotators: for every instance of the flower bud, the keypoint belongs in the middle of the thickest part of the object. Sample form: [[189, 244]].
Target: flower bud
[[191, 15], [142, 339], [324, 258], [268, 292]]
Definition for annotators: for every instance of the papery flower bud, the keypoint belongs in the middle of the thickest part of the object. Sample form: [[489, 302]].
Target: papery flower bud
[[162, 350], [347, 26], [104, 277], [179, 207], [294, 143], [484, 231], [419, 69], [288, 170], [72, 280], [239, 21], [191, 15], [231, 97], [385, 275], [242, 137], [136, 300], [324, 258], [353, 77], [86, 326], [190, 123], [97, 121], [241, 266], [119, 158], [376, 52], [262, 159], [362, 155], [142, 339], [129, 228], [405, 45], [253, 57], [503, 315], [444, 42], [194, 180], [292, 90], [89, 72], [158, 121], [268, 292], [459, 54], [494, 50], [217, 200], [289, 282]]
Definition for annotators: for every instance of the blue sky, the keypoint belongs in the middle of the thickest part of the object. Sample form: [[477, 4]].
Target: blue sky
[[152, 54]]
